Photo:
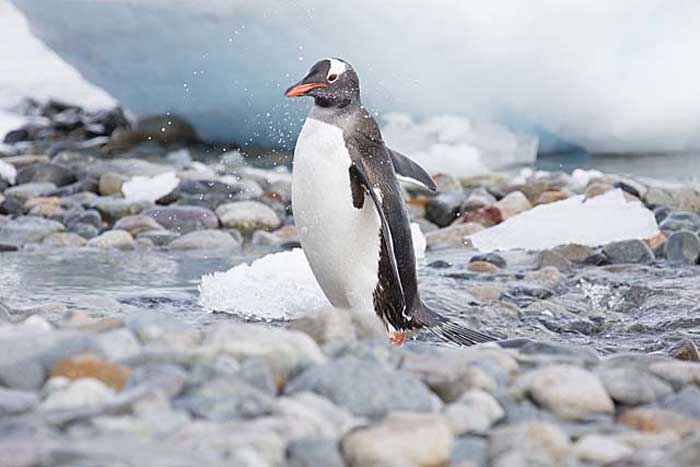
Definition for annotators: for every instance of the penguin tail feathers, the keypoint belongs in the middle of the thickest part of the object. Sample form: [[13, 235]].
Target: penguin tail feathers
[[450, 332]]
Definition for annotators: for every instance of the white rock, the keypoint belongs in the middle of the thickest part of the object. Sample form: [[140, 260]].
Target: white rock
[[81, 393], [112, 239], [474, 412], [7, 171], [276, 286], [600, 220], [151, 189], [600, 449]]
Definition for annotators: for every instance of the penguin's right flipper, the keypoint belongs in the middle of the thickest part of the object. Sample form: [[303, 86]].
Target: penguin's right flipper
[[408, 168]]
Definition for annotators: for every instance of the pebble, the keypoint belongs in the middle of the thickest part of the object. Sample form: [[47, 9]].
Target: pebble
[[444, 208], [452, 236], [86, 231], [483, 266], [348, 382], [65, 240], [493, 258], [554, 259], [570, 392], [28, 229], [628, 251], [89, 216], [137, 224], [46, 172], [479, 198], [549, 275], [314, 453], [677, 221], [110, 184], [399, 441], [184, 219], [119, 239], [474, 412], [82, 393], [91, 366], [158, 237], [630, 386], [551, 196], [112, 209], [574, 252], [205, 240], [23, 193], [247, 216], [682, 247]]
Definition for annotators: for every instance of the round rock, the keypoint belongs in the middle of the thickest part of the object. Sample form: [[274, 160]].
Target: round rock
[[205, 240], [676, 221], [628, 251], [248, 216], [682, 247], [184, 219], [48, 172]]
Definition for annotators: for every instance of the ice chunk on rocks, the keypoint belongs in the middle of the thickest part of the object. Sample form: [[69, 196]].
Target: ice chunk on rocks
[[604, 219], [141, 188]]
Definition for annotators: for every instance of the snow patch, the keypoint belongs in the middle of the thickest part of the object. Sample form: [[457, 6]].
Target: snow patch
[[141, 188], [600, 220], [457, 146], [276, 286]]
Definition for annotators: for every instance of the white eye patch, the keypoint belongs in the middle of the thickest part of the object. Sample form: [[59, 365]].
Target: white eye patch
[[337, 68]]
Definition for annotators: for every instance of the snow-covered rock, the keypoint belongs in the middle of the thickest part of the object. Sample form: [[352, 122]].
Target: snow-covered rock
[[597, 221], [141, 188], [575, 71], [276, 286]]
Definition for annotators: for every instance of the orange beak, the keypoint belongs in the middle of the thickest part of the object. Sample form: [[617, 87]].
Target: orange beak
[[301, 89]]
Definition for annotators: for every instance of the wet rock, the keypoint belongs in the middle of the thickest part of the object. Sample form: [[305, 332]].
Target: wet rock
[[28, 229], [86, 185], [474, 412], [213, 193], [87, 231], [452, 236], [399, 440], [631, 386], [492, 258], [677, 221], [483, 266], [81, 393], [685, 350], [628, 251], [661, 213], [112, 209], [110, 184], [227, 399], [170, 379], [552, 258], [65, 240], [91, 366], [444, 208], [46, 172], [512, 204], [572, 393], [159, 237], [137, 224], [90, 216], [531, 443], [166, 130], [600, 450], [365, 388], [23, 193], [49, 207], [10, 206], [547, 275], [314, 453], [119, 239], [682, 247], [247, 216], [205, 240], [574, 252], [14, 401], [184, 219]]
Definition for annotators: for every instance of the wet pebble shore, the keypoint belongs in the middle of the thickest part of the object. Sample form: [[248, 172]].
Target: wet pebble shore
[[79, 387]]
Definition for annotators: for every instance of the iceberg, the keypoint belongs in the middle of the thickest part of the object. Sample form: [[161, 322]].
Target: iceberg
[[278, 286], [597, 221], [143, 188], [602, 76]]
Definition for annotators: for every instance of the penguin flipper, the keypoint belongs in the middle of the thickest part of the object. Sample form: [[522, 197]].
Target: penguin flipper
[[405, 167], [361, 184]]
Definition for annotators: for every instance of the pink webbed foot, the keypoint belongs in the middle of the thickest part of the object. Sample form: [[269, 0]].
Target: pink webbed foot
[[398, 338]]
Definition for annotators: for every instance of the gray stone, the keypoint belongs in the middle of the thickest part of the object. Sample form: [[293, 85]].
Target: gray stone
[[167, 378], [78, 215], [469, 450], [87, 231], [452, 236], [444, 208], [118, 345], [46, 172], [600, 450], [14, 401], [65, 240], [205, 240], [256, 372], [661, 213], [682, 247], [365, 388], [227, 399], [184, 219], [492, 258], [628, 251], [572, 393], [79, 394], [474, 412], [686, 401], [248, 216], [552, 258], [631, 386], [479, 198], [119, 239], [23, 193], [528, 444], [28, 229], [159, 237], [113, 209], [314, 453], [137, 224], [400, 440], [213, 193], [156, 327], [677, 221]]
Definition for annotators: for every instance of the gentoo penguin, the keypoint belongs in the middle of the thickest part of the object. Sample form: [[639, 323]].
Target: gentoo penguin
[[352, 223]]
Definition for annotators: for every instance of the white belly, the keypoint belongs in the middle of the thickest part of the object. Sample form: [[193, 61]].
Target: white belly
[[340, 241]]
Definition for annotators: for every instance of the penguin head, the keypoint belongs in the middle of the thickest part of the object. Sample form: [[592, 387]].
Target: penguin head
[[331, 82]]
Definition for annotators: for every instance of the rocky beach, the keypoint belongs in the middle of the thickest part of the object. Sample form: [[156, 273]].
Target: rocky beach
[[599, 366]]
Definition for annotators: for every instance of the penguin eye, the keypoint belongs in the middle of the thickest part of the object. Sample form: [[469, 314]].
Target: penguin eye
[[332, 78]]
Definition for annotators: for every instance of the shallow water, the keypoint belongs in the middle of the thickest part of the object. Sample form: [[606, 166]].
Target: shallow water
[[613, 308]]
